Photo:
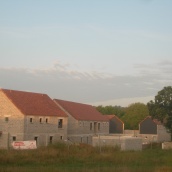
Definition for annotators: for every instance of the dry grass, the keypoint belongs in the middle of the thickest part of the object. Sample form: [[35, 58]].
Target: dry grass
[[85, 158]]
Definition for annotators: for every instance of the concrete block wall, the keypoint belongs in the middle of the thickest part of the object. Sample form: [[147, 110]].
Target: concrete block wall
[[84, 127], [106, 141], [131, 132], [11, 122], [4, 140], [51, 126], [45, 131], [131, 143], [72, 125], [80, 127], [19, 127], [167, 145], [163, 135], [76, 139], [123, 142], [83, 134], [15, 122], [148, 138]]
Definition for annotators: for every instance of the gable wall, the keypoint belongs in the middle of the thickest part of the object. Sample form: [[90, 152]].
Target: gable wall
[[148, 127], [14, 126], [163, 135], [116, 126]]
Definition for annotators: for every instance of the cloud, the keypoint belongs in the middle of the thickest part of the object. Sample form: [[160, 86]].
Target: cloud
[[124, 101], [62, 81]]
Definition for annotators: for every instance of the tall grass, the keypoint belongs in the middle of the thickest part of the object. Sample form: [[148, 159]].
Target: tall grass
[[76, 158]]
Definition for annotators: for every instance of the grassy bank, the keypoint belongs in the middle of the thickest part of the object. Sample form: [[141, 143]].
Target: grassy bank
[[85, 158]]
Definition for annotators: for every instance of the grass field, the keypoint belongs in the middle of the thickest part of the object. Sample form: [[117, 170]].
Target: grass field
[[85, 158]]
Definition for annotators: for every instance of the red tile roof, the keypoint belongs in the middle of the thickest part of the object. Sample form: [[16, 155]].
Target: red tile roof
[[81, 111], [114, 116], [34, 103]]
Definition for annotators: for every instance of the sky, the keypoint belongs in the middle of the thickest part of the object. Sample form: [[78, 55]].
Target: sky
[[99, 52]]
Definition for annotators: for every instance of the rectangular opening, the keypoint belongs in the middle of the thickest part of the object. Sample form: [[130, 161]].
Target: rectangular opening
[[40, 120], [14, 138], [61, 137], [46, 120], [91, 126], [98, 126], [36, 139], [6, 119], [60, 123], [95, 127], [31, 120], [51, 139]]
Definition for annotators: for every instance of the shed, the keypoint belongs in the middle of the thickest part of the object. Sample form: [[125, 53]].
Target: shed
[[116, 125]]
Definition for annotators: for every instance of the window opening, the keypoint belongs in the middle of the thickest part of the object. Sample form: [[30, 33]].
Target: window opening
[[60, 123], [91, 126], [98, 126], [36, 139], [51, 139], [14, 138], [46, 120], [31, 120], [6, 119]]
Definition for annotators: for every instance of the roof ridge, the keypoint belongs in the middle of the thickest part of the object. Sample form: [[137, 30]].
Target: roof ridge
[[31, 103]]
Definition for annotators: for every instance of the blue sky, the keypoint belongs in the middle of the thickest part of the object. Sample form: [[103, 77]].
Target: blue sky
[[110, 52]]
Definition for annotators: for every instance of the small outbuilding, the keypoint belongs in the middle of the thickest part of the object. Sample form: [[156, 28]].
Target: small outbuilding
[[116, 125], [153, 130]]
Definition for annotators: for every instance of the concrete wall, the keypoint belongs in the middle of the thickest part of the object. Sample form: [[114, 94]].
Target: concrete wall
[[163, 135], [11, 122], [84, 138], [116, 125], [79, 131], [106, 141], [131, 143], [123, 142], [19, 127], [167, 145], [147, 126], [46, 131], [82, 133], [131, 132]]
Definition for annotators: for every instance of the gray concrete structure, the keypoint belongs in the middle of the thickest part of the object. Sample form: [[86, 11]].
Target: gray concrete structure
[[152, 130], [167, 145], [123, 142], [84, 121], [116, 125], [30, 116]]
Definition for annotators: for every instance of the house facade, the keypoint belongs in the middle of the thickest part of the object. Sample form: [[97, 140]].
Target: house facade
[[152, 130], [116, 125], [30, 116], [84, 121]]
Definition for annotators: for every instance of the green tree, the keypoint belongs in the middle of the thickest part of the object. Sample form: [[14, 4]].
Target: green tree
[[161, 107], [134, 114], [109, 110]]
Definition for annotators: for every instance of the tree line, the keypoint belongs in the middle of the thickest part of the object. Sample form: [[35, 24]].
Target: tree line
[[160, 108]]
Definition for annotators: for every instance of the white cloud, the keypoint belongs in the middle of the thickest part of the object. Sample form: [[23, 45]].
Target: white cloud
[[124, 101], [64, 81]]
